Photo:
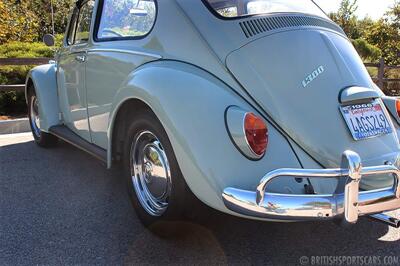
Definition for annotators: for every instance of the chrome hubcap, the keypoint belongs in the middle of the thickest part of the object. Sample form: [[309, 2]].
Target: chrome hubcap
[[35, 118], [151, 176]]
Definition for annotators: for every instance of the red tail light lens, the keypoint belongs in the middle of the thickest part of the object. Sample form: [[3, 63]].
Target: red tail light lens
[[256, 133], [398, 108]]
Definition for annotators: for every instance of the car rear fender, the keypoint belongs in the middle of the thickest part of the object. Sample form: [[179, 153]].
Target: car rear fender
[[191, 103], [43, 78]]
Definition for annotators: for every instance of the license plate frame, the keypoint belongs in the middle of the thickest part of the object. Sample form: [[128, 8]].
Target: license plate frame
[[367, 120]]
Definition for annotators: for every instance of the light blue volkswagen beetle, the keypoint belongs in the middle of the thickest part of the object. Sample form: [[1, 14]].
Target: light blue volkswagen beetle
[[260, 108]]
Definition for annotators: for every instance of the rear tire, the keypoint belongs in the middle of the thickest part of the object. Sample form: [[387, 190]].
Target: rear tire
[[42, 139], [156, 187]]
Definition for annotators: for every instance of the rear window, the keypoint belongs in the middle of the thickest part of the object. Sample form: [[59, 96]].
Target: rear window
[[241, 8]]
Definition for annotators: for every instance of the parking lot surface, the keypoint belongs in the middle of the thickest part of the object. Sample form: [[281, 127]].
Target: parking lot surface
[[61, 206]]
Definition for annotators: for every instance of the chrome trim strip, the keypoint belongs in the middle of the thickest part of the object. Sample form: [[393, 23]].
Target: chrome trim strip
[[105, 50], [386, 219], [349, 203]]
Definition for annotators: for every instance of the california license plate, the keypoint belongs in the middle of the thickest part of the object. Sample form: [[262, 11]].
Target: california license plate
[[366, 120]]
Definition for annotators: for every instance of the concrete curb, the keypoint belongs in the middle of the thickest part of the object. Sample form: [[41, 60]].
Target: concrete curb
[[14, 126], [16, 135]]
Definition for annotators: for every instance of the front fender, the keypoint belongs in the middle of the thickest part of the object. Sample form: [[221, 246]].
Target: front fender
[[191, 105], [45, 83]]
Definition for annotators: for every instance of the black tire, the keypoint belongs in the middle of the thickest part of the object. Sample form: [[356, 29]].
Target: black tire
[[42, 139], [166, 224]]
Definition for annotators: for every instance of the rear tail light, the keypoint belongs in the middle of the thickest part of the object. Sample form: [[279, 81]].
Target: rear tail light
[[248, 132], [256, 133], [398, 108]]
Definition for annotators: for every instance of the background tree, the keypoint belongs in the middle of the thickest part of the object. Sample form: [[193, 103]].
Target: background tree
[[356, 30], [42, 9], [347, 19], [394, 14], [372, 39], [367, 51], [386, 37], [29, 20], [385, 34], [17, 21]]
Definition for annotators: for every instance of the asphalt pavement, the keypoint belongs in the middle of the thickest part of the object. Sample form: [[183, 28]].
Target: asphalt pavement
[[62, 207]]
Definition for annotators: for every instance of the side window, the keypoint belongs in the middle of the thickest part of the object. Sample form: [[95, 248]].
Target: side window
[[126, 19], [84, 20]]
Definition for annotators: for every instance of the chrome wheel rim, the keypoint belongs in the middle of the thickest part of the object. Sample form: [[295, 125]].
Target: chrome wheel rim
[[34, 115], [151, 175]]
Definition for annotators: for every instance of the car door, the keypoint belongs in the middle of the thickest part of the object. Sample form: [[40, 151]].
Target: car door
[[122, 33], [71, 71]]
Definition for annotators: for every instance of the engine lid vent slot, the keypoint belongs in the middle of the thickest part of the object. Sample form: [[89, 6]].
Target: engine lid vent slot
[[257, 26]]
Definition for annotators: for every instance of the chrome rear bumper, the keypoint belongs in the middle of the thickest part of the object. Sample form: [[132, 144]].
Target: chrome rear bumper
[[348, 203]]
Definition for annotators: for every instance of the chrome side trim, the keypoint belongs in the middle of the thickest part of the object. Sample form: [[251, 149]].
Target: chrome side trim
[[105, 50], [348, 203]]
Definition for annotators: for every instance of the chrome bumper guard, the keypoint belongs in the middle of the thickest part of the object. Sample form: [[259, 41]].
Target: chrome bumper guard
[[348, 203]]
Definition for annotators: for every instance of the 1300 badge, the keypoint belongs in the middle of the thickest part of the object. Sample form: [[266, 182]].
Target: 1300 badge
[[310, 78]]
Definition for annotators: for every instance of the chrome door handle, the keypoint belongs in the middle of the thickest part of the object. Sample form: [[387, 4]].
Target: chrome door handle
[[80, 58]]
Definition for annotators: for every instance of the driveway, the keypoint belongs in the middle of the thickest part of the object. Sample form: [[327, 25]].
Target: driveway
[[61, 206]]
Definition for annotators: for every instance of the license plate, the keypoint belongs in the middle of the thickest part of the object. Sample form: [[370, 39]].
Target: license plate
[[366, 120]]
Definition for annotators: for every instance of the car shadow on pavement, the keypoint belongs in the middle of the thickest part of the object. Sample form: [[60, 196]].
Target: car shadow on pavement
[[60, 206], [225, 239]]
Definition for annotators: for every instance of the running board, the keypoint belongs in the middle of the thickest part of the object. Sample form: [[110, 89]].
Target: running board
[[66, 134]]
